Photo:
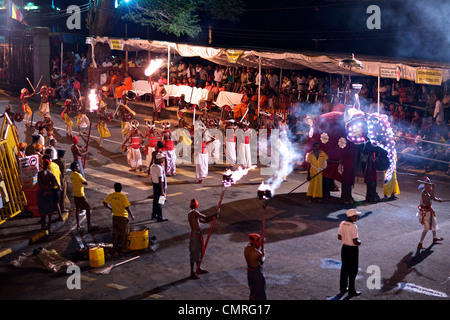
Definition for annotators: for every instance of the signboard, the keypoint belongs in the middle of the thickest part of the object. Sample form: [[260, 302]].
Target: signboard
[[116, 44], [28, 168], [389, 72], [233, 56], [428, 76]]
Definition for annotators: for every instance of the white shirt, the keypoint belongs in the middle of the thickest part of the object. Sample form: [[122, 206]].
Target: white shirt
[[218, 74], [156, 172], [348, 231]]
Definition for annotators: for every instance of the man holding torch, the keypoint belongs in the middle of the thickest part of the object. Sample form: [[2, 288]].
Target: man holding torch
[[255, 277], [196, 244]]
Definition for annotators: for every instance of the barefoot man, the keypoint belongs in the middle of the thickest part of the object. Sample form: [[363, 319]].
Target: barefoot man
[[196, 244]]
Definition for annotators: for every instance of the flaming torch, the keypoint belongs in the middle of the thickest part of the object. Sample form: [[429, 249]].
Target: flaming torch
[[228, 178], [151, 69], [93, 106], [264, 196]]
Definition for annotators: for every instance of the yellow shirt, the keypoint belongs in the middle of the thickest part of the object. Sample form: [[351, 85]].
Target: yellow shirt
[[77, 184], [54, 168], [119, 202]]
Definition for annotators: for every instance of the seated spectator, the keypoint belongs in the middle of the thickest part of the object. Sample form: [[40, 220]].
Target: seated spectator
[[126, 85], [107, 63], [132, 63], [416, 122]]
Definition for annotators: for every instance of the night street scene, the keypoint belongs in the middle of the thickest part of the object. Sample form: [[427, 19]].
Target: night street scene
[[225, 158]]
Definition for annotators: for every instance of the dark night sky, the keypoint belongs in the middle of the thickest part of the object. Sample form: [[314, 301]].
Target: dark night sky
[[409, 28]]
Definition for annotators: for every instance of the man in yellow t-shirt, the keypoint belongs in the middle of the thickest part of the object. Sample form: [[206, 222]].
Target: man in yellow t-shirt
[[54, 168], [118, 203], [79, 198]]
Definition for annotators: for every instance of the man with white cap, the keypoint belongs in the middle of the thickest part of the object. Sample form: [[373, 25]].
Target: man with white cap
[[348, 234], [426, 214]]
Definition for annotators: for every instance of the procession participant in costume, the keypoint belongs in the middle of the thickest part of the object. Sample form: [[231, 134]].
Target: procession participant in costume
[[152, 140], [201, 154], [391, 188], [124, 112], [196, 244], [426, 214], [48, 123], [102, 126], [78, 152], [65, 115], [213, 139], [169, 147], [283, 135], [263, 119], [82, 119], [230, 145], [255, 259], [317, 162], [44, 107], [134, 156], [244, 147], [160, 92], [24, 96], [204, 117]]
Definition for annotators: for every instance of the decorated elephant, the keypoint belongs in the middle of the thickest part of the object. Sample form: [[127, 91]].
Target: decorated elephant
[[354, 142]]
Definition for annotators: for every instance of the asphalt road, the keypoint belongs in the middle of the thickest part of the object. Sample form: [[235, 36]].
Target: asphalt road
[[302, 249]]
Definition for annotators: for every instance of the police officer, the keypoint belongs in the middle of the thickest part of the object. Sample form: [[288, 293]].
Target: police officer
[[348, 234]]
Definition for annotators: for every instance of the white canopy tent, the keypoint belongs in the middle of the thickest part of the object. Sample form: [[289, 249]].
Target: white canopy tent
[[272, 59]]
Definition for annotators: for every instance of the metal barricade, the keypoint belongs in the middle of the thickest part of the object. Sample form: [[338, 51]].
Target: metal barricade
[[12, 197]]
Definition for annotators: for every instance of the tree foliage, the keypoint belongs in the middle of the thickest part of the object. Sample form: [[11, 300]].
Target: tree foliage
[[181, 17]]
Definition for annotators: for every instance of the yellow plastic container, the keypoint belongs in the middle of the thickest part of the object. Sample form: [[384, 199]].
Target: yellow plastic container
[[137, 238], [96, 257]]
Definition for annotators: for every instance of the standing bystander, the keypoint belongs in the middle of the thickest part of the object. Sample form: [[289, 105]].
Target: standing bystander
[[118, 203], [348, 234]]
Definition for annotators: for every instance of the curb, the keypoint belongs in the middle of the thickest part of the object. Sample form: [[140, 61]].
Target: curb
[[39, 235]]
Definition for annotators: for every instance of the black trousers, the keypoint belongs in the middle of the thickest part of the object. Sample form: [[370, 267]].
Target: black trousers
[[157, 208], [349, 269]]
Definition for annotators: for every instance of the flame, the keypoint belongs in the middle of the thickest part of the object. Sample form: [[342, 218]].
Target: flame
[[263, 186], [93, 102], [153, 66], [236, 175]]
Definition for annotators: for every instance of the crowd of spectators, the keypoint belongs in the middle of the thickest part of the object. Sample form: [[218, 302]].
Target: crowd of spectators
[[68, 78]]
